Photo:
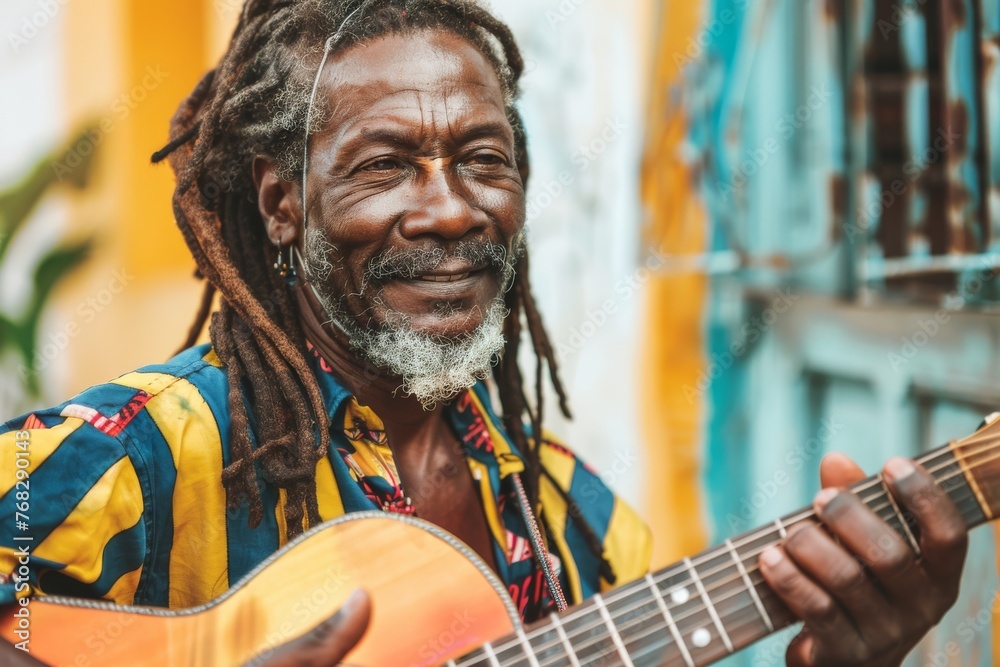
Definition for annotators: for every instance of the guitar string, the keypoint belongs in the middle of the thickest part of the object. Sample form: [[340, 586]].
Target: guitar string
[[654, 613], [664, 639], [733, 627], [712, 555], [725, 582], [756, 535], [629, 592], [708, 557], [720, 553]]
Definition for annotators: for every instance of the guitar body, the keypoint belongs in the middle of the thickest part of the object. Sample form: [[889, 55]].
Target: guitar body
[[432, 599]]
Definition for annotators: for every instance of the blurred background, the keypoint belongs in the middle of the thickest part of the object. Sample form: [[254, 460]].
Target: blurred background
[[762, 230]]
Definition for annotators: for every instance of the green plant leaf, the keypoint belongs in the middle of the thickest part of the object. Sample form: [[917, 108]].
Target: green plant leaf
[[14, 335], [53, 268], [18, 201]]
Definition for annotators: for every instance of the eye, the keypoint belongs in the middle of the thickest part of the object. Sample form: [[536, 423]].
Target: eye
[[382, 164], [487, 159]]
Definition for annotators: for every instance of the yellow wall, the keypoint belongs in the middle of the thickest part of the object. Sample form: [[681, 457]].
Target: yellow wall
[[672, 345], [128, 64]]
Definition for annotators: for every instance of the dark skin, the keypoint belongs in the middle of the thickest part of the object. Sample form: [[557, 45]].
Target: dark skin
[[873, 619], [418, 152]]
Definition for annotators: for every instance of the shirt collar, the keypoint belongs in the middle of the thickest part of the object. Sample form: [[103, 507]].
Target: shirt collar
[[471, 415]]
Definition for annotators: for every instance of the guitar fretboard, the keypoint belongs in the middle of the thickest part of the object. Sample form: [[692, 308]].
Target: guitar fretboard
[[704, 608]]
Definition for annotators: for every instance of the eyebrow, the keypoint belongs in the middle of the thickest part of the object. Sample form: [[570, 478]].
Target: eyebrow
[[405, 138]]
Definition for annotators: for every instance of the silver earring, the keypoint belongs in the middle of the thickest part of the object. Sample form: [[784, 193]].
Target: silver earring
[[286, 270]]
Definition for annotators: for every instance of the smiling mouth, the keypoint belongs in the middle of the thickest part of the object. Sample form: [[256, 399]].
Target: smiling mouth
[[445, 279], [444, 275]]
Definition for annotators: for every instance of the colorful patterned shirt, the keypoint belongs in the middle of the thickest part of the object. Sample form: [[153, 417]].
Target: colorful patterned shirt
[[125, 500]]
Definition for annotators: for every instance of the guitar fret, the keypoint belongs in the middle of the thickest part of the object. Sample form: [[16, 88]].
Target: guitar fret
[[750, 587], [679, 597], [570, 653], [953, 478], [614, 631], [973, 484], [528, 651], [709, 605], [670, 621], [491, 654], [899, 515]]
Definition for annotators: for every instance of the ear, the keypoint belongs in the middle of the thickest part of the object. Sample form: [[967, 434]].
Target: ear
[[278, 201]]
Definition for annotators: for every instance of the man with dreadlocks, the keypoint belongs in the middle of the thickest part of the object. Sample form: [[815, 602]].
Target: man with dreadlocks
[[350, 181]]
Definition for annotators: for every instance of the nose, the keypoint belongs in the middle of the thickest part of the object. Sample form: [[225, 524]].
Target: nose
[[441, 207]]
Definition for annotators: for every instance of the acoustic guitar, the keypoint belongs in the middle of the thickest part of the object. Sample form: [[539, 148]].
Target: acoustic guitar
[[435, 602]]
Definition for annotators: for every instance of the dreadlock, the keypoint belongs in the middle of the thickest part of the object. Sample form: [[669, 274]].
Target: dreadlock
[[256, 102]]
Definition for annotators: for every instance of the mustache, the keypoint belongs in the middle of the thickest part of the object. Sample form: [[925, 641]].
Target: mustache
[[408, 264]]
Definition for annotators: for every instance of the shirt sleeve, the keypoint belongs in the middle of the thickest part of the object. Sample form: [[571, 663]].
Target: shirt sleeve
[[628, 545], [71, 511], [625, 538]]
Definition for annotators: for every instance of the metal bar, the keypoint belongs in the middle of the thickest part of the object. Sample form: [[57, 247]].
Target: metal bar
[[982, 124], [938, 22], [844, 15], [886, 83]]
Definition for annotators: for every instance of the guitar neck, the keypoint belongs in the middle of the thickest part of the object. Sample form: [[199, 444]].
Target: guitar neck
[[706, 607]]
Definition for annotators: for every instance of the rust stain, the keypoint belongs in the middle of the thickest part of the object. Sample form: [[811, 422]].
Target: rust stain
[[960, 123], [838, 196]]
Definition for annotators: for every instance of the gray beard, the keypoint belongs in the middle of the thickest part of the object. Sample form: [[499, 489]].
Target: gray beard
[[433, 369]]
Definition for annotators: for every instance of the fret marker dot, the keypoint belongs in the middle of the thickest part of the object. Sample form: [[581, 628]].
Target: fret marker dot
[[680, 596], [701, 637]]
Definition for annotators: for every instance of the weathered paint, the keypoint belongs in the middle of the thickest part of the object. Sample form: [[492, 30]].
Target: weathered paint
[[673, 353], [802, 115]]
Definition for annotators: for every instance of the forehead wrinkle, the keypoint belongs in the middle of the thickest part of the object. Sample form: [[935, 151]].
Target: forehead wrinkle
[[359, 88], [457, 113]]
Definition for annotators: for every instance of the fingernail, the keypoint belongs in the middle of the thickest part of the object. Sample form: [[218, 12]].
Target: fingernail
[[899, 468], [771, 556], [352, 602], [824, 497]]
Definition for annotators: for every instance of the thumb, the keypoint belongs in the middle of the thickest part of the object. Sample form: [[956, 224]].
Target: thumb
[[329, 642]]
